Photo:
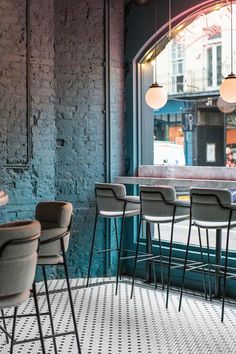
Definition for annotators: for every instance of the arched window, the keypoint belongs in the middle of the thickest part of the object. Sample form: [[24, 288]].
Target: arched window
[[195, 127]]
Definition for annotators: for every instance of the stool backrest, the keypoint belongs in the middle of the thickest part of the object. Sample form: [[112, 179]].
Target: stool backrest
[[18, 256], [210, 205], [55, 218], [157, 201], [109, 196]]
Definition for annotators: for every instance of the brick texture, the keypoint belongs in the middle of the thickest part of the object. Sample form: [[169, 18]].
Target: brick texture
[[67, 102]]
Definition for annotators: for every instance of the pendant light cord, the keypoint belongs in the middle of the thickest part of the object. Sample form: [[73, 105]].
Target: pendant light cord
[[231, 8], [155, 53], [170, 19]]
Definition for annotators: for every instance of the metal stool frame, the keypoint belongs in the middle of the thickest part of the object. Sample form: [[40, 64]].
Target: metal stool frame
[[64, 264], [220, 270], [37, 314], [159, 258], [119, 248]]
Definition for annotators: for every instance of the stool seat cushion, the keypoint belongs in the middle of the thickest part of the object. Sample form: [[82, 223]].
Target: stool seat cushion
[[118, 214], [18, 258], [132, 198], [54, 212], [166, 219], [55, 218], [14, 300], [132, 209], [158, 193], [105, 190], [53, 248], [112, 199], [50, 260], [159, 204], [17, 230], [214, 225]]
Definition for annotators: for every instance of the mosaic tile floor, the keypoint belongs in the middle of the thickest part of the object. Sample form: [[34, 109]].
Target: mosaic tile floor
[[116, 324]]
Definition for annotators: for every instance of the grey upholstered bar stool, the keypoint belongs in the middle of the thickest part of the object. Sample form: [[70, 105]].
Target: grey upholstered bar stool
[[112, 202], [55, 218], [210, 209], [160, 206], [18, 259]]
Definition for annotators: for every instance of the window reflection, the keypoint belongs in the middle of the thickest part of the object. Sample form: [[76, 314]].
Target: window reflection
[[191, 68]]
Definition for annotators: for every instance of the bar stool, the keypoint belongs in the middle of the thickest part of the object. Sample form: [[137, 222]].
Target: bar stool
[[113, 203], [211, 209], [160, 206], [18, 258], [55, 218]]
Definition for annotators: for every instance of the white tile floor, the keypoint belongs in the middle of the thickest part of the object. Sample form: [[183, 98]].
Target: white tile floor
[[116, 324]]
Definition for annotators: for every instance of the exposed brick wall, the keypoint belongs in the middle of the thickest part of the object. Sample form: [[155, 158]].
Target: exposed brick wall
[[79, 73], [80, 89], [68, 119], [117, 87], [26, 187]]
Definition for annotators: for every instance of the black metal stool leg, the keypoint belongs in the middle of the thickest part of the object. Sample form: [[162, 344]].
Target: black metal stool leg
[[116, 233], [92, 247], [170, 258], [117, 239], [70, 297], [160, 253], [38, 318], [4, 325], [151, 249], [225, 268], [185, 262], [119, 251], [13, 330], [136, 257], [209, 263], [202, 260], [49, 308]]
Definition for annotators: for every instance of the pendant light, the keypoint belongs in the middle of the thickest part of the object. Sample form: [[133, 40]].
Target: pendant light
[[156, 96], [228, 86]]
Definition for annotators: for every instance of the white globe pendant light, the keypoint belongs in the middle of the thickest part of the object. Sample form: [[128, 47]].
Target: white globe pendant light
[[156, 96], [228, 86], [228, 89]]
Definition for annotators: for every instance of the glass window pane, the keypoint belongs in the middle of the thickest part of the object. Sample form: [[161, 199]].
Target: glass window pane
[[209, 66], [219, 64]]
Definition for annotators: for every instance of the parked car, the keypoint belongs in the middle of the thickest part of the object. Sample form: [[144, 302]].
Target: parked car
[[168, 154]]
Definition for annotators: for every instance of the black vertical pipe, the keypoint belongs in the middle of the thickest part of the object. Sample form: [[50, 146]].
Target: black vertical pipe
[[108, 138], [28, 86], [108, 92], [26, 164]]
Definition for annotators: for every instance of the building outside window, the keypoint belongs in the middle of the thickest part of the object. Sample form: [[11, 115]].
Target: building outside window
[[214, 66], [177, 66], [191, 68]]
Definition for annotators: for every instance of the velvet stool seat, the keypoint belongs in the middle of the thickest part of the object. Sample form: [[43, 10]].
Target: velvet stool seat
[[159, 205], [211, 209], [18, 259], [55, 218], [113, 203]]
